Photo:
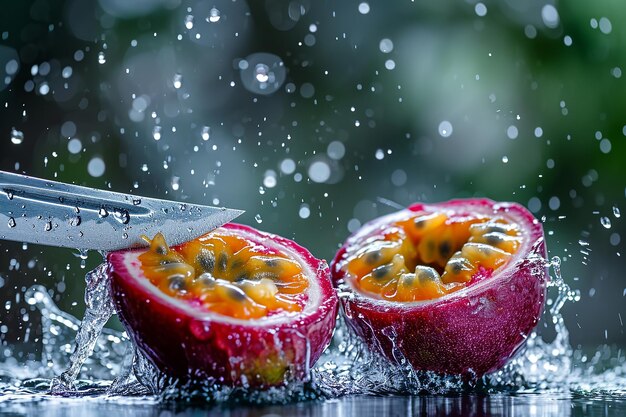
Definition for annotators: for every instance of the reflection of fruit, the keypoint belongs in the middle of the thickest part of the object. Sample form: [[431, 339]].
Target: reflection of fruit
[[238, 306], [453, 287]]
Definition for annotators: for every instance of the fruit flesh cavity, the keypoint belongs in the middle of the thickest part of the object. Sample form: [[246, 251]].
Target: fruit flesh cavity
[[426, 255], [227, 274]]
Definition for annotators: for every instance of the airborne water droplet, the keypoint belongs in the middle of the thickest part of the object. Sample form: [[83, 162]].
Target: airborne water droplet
[[445, 129], [178, 81], [258, 218], [101, 58], [12, 222], [206, 133], [606, 222], [261, 72], [17, 136], [156, 132], [189, 21], [616, 212], [214, 15]]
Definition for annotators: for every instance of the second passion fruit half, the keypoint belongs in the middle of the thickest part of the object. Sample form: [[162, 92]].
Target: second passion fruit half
[[454, 287], [237, 306]]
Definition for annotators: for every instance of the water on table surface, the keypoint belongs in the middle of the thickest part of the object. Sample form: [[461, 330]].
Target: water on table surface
[[548, 378], [545, 405]]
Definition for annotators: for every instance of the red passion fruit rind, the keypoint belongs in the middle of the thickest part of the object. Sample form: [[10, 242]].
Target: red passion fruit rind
[[453, 287], [187, 330]]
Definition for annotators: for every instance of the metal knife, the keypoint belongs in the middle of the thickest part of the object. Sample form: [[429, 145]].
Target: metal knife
[[52, 213]]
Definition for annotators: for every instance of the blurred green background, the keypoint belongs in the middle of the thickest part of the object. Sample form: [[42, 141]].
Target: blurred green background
[[317, 116]]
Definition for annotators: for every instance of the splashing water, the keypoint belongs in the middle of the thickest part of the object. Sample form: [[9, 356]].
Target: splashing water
[[104, 362]]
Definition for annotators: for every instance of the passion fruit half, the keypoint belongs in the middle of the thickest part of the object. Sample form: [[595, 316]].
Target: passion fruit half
[[454, 287], [237, 306]]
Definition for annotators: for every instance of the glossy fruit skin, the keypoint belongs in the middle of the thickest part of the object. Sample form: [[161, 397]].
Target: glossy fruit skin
[[230, 352], [470, 332]]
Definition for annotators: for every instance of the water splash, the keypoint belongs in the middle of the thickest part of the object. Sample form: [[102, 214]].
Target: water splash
[[99, 311], [104, 362]]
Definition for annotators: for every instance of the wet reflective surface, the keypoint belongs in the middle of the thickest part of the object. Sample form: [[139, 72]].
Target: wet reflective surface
[[495, 405]]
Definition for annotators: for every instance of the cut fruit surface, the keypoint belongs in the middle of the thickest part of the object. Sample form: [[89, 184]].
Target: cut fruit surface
[[459, 284], [227, 274], [425, 255], [237, 306]]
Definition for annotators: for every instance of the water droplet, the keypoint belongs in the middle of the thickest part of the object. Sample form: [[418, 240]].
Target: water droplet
[[136, 201], [125, 236], [75, 221], [319, 171], [258, 218], [12, 222], [48, 226], [385, 45], [379, 154], [445, 129], [189, 21], [156, 132], [550, 16], [122, 216], [103, 213], [17, 136], [605, 145], [96, 167], [364, 8], [44, 89], [606, 222], [336, 150], [605, 25], [480, 9], [206, 133], [616, 212], [214, 15], [304, 211], [262, 73], [9, 194], [288, 166], [512, 132], [178, 81], [101, 58], [269, 180], [74, 146]]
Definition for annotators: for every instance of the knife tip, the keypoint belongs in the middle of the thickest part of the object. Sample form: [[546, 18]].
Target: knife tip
[[232, 214]]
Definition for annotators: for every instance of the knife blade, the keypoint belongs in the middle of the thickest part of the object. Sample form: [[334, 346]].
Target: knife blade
[[45, 212]]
